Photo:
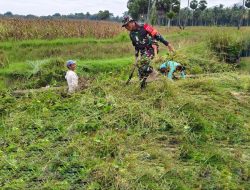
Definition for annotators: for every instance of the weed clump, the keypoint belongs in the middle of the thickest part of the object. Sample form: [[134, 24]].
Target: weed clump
[[50, 73], [227, 46]]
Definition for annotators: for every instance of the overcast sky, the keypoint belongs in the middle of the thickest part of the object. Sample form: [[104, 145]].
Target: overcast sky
[[48, 7]]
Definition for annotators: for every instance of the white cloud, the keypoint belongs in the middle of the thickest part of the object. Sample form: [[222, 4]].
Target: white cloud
[[49, 7], [46, 7]]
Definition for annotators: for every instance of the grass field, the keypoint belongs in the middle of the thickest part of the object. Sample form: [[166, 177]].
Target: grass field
[[187, 134]]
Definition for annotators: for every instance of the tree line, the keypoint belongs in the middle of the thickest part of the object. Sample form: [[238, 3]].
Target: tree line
[[197, 13], [101, 15], [166, 12]]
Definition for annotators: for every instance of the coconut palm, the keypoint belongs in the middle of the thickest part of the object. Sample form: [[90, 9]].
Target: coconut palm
[[193, 6], [202, 7], [246, 3]]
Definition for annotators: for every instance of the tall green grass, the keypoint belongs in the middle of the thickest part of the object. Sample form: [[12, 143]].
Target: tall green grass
[[187, 134], [245, 64], [36, 74], [229, 46], [174, 135], [123, 37], [4, 61]]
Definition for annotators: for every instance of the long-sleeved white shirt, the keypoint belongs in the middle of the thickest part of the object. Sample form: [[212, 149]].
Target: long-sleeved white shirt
[[72, 80]]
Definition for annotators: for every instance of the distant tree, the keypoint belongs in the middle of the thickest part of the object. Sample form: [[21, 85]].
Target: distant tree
[[248, 17], [87, 15], [247, 3], [185, 15], [217, 14], [31, 16], [244, 12], [193, 6], [167, 8], [162, 7], [174, 9], [207, 16], [101, 15], [153, 15], [104, 15], [176, 4], [56, 15], [8, 14], [170, 16], [125, 13], [202, 7], [79, 16], [138, 8], [237, 15], [94, 17]]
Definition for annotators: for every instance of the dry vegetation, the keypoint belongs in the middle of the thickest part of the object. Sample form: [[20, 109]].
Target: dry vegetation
[[19, 29]]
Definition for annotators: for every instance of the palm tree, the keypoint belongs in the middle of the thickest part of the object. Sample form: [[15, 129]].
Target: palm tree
[[247, 3], [248, 17], [243, 14], [167, 9], [193, 6], [153, 14], [148, 13], [202, 7]]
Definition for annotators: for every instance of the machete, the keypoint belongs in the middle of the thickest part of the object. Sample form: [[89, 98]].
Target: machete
[[132, 72]]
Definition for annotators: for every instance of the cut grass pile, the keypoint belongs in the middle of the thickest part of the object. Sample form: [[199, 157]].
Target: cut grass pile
[[188, 134], [174, 135]]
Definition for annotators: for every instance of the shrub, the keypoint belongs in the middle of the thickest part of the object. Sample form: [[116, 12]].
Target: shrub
[[227, 46], [50, 73]]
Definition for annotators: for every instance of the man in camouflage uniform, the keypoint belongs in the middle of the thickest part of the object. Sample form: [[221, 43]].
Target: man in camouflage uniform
[[144, 37]]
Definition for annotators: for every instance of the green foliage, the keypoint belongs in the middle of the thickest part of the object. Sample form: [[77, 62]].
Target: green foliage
[[202, 5], [4, 61], [171, 15], [194, 4], [247, 3], [123, 37], [68, 48], [195, 63], [137, 8], [51, 72], [244, 64], [104, 15], [153, 16], [228, 46], [35, 74], [168, 5], [17, 71], [104, 65]]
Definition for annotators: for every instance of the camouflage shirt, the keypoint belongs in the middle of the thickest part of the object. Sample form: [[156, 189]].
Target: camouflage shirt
[[142, 39]]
